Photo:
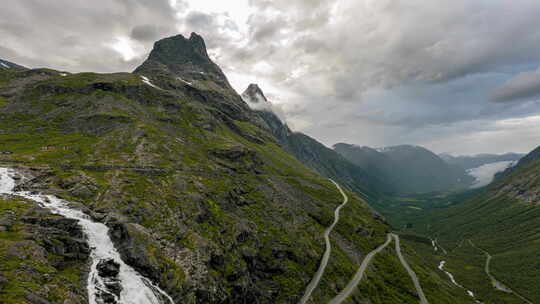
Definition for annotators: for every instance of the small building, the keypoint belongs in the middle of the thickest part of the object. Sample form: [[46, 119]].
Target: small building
[[48, 148]]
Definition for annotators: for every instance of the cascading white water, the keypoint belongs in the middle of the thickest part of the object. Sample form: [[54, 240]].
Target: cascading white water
[[136, 289], [7, 183], [451, 276]]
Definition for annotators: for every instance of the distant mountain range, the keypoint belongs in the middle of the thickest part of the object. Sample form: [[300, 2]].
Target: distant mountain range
[[474, 161], [407, 169]]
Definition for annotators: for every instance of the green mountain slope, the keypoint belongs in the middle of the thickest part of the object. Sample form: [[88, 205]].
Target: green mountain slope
[[503, 220], [523, 162], [197, 192]]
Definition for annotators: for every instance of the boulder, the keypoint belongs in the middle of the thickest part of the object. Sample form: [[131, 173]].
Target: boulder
[[108, 268]]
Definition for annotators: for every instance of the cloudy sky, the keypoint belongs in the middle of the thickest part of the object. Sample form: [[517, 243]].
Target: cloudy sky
[[456, 76]]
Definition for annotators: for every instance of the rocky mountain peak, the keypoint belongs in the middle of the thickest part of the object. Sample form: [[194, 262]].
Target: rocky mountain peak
[[184, 59], [199, 46], [254, 95], [178, 50]]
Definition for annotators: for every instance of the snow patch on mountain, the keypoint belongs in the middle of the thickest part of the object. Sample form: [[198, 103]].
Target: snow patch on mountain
[[185, 81], [148, 82]]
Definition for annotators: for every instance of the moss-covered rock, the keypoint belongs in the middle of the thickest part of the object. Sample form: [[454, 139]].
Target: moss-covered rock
[[43, 257]]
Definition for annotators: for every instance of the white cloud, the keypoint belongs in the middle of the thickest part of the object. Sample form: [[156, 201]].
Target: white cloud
[[124, 47]]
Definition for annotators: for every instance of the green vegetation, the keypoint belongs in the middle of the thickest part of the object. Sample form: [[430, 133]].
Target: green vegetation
[[28, 263], [501, 219]]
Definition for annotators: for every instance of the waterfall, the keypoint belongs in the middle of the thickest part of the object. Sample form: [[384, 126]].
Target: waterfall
[[125, 285]]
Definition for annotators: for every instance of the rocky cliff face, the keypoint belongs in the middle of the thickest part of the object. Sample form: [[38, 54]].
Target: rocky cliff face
[[257, 101], [184, 59], [522, 182], [6, 65]]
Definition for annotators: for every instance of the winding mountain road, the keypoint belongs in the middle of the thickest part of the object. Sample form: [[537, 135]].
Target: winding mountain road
[[353, 283], [346, 292], [496, 283], [412, 274], [326, 256]]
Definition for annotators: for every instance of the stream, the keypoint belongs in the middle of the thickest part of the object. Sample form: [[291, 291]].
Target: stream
[[451, 276], [127, 286]]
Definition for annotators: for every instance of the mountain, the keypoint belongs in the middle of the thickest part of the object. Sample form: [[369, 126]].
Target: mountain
[[406, 169], [523, 162], [470, 162], [5, 65], [501, 220], [310, 152], [254, 97], [186, 60], [196, 191]]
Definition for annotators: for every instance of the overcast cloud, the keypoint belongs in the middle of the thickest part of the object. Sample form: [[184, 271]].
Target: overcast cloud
[[455, 76]]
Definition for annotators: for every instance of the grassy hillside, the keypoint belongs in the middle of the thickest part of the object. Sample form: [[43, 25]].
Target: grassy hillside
[[501, 219]]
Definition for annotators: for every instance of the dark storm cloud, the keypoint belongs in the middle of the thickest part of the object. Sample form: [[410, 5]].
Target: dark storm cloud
[[20, 30], [149, 32], [382, 43], [523, 86], [200, 20], [77, 35], [267, 30]]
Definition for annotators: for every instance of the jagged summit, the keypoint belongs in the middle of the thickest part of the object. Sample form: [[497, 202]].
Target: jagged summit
[[254, 94], [256, 99], [179, 50], [185, 59]]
